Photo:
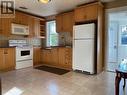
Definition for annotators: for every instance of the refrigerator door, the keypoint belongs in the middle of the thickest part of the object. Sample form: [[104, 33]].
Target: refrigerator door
[[83, 55], [84, 31]]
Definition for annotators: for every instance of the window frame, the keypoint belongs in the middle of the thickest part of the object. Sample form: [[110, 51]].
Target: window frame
[[48, 34]]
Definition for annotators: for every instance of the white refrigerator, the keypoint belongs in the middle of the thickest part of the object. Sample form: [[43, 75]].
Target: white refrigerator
[[84, 48]]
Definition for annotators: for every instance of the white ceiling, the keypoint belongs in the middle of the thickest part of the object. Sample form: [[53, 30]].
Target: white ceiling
[[53, 7]]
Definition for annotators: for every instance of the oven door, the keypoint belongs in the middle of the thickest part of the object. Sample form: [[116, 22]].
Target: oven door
[[24, 54]]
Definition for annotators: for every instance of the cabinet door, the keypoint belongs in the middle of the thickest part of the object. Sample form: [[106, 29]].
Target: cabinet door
[[46, 57], [1, 26], [17, 18], [62, 57], [86, 13], [5, 27], [54, 56], [68, 55], [80, 14], [9, 60], [42, 28], [1, 60], [49, 57], [24, 19], [31, 27], [37, 27], [67, 22], [37, 56], [59, 23], [20, 18], [91, 12], [6, 24]]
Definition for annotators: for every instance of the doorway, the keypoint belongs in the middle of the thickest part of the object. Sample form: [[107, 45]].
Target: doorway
[[116, 36]]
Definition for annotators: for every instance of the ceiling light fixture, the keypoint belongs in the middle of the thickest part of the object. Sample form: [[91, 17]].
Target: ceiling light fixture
[[44, 1]]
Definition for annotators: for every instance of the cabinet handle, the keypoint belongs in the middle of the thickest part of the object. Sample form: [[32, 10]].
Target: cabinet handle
[[5, 52], [85, 16]]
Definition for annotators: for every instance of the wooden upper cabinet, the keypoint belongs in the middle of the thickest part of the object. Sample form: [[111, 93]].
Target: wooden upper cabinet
[[17, 18], [42, 27], [37, 27], [5, 26], [86, 12], [24, 19], [20, 18], [1, 26], [64, 22], [31, 27], [59, 23], [68, 22]]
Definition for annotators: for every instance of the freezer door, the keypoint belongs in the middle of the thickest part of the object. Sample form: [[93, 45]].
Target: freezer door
[[84, 31], [83, 55]]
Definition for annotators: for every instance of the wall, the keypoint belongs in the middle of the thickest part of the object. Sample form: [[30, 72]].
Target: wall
[[110, 5], [116, 3], [49, 18], [31, 41], [65, 38], [122, 48]]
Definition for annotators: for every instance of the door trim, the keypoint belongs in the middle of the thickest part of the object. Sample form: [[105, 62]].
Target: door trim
[[107, 11]]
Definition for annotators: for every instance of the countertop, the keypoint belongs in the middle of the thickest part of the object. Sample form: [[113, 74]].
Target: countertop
[[52, 47], [7, 47], [40, 47]]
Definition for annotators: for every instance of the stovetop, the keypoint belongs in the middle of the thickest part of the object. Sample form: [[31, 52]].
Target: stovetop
[[19, 43]]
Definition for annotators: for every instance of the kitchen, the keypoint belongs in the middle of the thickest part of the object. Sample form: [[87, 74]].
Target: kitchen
[[35, 46]]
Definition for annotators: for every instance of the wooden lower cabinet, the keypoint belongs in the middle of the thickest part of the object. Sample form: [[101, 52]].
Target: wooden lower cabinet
[[68, 58], [37, 56], [62, 57], [46, 57], [65, 58], [58, 57], [1, 59], [54, 57], [7, 57]]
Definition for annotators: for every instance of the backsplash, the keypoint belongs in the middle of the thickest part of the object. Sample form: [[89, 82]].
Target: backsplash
[[65, 38], [31, 41]]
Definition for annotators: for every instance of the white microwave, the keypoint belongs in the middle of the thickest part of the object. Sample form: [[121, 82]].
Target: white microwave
[[19, 29]]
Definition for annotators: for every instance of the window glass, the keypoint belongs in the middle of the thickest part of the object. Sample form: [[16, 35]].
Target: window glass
[[52, 35], [124, 35]]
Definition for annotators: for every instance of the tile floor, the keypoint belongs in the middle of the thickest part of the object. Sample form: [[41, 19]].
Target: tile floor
[[35, 82]]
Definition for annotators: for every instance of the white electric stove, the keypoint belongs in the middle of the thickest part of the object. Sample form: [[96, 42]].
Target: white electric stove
[[24, 53]]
